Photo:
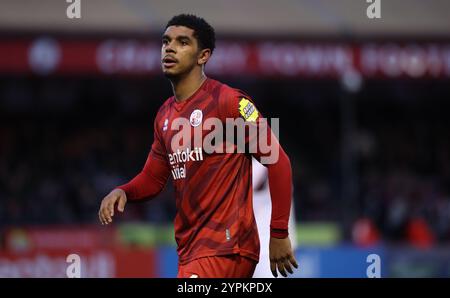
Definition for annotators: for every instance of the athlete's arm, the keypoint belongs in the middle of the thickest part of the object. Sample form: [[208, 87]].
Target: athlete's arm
[[280, 186], [280, 181], [272, 156], [149, 182]]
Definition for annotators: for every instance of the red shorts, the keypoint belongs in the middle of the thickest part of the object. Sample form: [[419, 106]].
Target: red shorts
[[229, 266]]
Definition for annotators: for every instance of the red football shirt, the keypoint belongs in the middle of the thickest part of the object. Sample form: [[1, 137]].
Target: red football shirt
[[213, 190]]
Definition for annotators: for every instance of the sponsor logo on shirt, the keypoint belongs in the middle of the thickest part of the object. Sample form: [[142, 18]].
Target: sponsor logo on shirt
[[165, 125], [179, 158], [196, 118], [248, 110]]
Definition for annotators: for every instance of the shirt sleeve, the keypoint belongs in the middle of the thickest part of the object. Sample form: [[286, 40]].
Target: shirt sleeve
[[153, 177], [270, 154]]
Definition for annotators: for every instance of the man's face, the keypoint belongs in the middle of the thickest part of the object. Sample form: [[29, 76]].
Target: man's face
[[179, 51]]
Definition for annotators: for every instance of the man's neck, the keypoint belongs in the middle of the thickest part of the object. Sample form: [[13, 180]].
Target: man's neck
[[183, 88]]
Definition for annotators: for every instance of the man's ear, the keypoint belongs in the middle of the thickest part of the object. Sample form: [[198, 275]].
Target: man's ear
[[203, 56]]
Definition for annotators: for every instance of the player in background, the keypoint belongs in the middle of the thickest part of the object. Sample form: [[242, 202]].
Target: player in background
[[262, 207], [215, 229]]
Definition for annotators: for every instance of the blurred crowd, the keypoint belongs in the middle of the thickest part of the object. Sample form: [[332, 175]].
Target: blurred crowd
[[54, 175], [66, 142]]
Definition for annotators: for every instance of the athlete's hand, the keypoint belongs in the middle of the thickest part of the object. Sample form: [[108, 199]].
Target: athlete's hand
[[106, 211], [281, 256]]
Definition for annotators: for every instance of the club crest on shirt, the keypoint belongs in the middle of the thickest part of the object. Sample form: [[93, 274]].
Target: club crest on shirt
[[196, 118], [166, 123], [248, 110]]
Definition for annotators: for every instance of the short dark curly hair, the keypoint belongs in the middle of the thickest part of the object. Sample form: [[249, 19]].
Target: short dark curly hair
[[203, 31]]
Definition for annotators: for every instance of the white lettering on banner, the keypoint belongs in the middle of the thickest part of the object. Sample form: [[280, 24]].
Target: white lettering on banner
[[293, 59], [290, 59], [100, 264], [43, 239], [44, 55], [285, 59], [229, 57], [128, 56], [413, 60], [391, 60]]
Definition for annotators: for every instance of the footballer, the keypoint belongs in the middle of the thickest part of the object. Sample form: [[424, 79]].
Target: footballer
[[215, 227]]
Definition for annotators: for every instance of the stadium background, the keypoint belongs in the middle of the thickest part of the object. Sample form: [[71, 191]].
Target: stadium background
[[363, 105]]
